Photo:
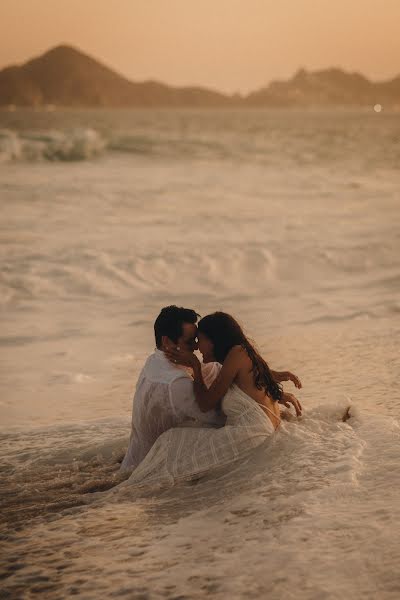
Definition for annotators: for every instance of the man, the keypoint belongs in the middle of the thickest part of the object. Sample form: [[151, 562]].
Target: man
[[164, 396]]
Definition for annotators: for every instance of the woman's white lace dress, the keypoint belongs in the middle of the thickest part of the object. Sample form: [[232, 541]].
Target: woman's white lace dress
[[184, 453]]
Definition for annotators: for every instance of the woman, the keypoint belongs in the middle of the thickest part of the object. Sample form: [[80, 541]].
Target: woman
[[244, 388]]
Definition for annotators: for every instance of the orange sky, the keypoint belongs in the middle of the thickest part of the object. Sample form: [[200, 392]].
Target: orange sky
[[231, 45]]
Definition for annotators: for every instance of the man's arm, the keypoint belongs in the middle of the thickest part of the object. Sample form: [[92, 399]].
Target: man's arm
[[288, 399], [280, 376]]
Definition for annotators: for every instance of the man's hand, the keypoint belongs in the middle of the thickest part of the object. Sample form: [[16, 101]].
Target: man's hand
[[287, 399], [288, 376]]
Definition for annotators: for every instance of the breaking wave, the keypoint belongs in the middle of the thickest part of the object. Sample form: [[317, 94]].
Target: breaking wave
[[301, 139], [79, 144], [86, 143]]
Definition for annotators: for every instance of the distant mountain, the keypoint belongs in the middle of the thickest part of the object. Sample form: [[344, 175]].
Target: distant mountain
[[64, 76], [330, 87]]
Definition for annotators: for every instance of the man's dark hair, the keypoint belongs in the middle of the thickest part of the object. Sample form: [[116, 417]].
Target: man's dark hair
[[170, 321]]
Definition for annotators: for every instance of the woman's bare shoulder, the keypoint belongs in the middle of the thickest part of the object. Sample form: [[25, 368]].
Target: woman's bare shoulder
[[239, 355]]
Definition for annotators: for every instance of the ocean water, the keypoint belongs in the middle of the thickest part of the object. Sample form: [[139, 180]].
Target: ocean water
[[287, 219]]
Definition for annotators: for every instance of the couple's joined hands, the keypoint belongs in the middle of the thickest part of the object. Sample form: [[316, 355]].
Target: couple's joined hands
[[186, 358]]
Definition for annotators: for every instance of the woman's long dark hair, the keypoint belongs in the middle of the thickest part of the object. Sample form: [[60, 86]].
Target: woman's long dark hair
[[224, 332]]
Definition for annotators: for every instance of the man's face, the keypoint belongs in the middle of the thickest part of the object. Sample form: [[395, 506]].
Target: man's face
[[188, 340]]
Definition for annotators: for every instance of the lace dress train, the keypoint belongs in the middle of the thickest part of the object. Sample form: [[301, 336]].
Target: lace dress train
[[185, 453]]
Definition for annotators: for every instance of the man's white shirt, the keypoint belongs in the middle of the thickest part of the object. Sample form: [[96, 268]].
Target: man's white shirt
[[164, 398]]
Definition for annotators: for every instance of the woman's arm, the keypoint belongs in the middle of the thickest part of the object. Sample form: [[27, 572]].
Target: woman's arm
[[207, 399]]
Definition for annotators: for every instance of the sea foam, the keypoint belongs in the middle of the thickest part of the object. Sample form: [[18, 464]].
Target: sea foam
[[78, 144]]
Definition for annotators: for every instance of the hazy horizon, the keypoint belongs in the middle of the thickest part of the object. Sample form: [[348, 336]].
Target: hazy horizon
[[236, 47]]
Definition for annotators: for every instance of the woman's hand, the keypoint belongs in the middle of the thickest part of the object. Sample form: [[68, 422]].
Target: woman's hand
[[178, 356], [287, 399], [288, 376]]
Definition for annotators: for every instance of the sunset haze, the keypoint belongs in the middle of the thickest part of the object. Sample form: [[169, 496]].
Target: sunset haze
[[230, 45]]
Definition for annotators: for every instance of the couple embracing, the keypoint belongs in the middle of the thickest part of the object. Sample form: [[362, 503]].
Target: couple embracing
[[190, 417]]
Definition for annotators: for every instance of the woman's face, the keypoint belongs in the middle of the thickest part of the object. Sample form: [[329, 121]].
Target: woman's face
[[206, 347]]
